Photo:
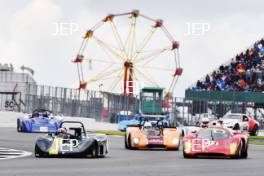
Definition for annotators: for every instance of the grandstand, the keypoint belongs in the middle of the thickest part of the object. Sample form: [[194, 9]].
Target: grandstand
[[241, 79]]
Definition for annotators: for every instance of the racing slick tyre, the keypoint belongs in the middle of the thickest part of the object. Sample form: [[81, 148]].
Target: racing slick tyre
[[129, 143], [244, 154], [19, 128], [39, 153], [182, 133], [94, 151], [125, 140], [238, 152], [255, 131], [236, 127]]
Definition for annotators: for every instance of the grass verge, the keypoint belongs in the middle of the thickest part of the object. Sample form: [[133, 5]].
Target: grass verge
[[121, 133], [256, 137], [256, 143], [110, 132]]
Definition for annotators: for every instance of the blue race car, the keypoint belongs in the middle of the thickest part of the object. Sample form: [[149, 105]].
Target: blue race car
[[41, 120], [136, 119], [122, 125], [125, 120]]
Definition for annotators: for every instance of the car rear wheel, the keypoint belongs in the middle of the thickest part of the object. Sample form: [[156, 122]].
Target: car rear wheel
[[236, 127], [255, 131], [182, 133]]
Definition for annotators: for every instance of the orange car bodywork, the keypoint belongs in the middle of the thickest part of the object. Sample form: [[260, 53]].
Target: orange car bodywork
[[169, 139]]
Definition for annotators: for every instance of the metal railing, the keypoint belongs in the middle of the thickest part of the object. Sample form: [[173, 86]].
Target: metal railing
[[105, 106]]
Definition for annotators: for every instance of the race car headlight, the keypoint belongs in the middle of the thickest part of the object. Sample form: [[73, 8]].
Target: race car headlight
[[175, 141], [187, 146], [233, 148], [136, 140]]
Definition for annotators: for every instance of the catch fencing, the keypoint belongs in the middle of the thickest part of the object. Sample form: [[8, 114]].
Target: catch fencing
[[105, 106], [102, 106]]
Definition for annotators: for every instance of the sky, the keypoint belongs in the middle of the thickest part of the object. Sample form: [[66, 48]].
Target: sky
[[219, 30]]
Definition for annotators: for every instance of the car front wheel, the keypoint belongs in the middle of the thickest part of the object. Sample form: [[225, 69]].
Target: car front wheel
[[94, 151], [38, 152], [19, 128], [238, 152], [244, 153], [125, 140]]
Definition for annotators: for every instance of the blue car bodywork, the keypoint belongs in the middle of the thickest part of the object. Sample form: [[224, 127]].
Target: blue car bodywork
[[123, 123], [125, 120], [40, 121]]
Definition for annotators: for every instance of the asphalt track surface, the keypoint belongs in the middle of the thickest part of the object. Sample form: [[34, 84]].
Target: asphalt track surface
[[123, 162]]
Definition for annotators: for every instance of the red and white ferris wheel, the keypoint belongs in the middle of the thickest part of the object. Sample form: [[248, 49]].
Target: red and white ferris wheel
[[127, 50]]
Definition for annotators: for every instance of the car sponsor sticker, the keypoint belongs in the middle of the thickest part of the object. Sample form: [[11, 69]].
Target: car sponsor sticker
[[63, 145], [67, 145], [153, 140], [208, 143], [199, 145], [43, 129]]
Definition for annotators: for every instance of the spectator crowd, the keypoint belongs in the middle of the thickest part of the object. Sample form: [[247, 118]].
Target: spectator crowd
[[245, 72]]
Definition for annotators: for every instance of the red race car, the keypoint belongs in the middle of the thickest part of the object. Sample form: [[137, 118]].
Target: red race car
[[253, 125], [215, 142]]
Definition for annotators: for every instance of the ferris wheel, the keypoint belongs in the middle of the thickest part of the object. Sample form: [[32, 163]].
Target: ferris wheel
[[126, 51]]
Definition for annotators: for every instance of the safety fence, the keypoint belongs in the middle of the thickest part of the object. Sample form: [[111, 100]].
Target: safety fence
[[105, 106], [102, 106]]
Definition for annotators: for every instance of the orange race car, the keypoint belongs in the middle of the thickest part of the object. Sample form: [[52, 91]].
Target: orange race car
[[152, 135]]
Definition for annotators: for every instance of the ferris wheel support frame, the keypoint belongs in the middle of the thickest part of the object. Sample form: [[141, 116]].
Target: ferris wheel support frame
[[129, 52]]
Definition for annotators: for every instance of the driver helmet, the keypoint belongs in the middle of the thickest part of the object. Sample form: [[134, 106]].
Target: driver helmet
[[62, 130], [216, 124], [147, 125], [51, 116], [204, 122]]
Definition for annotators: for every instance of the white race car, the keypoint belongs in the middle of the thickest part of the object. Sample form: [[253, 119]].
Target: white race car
[[235, 121]]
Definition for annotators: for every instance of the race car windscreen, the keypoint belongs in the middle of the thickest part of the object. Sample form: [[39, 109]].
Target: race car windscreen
[[152, 132], [71, 128], [213, 134]]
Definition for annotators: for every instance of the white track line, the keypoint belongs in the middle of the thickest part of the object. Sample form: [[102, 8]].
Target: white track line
[[7, 153]]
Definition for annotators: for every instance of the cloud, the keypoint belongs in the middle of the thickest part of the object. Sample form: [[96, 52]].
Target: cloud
[[26, 33]]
